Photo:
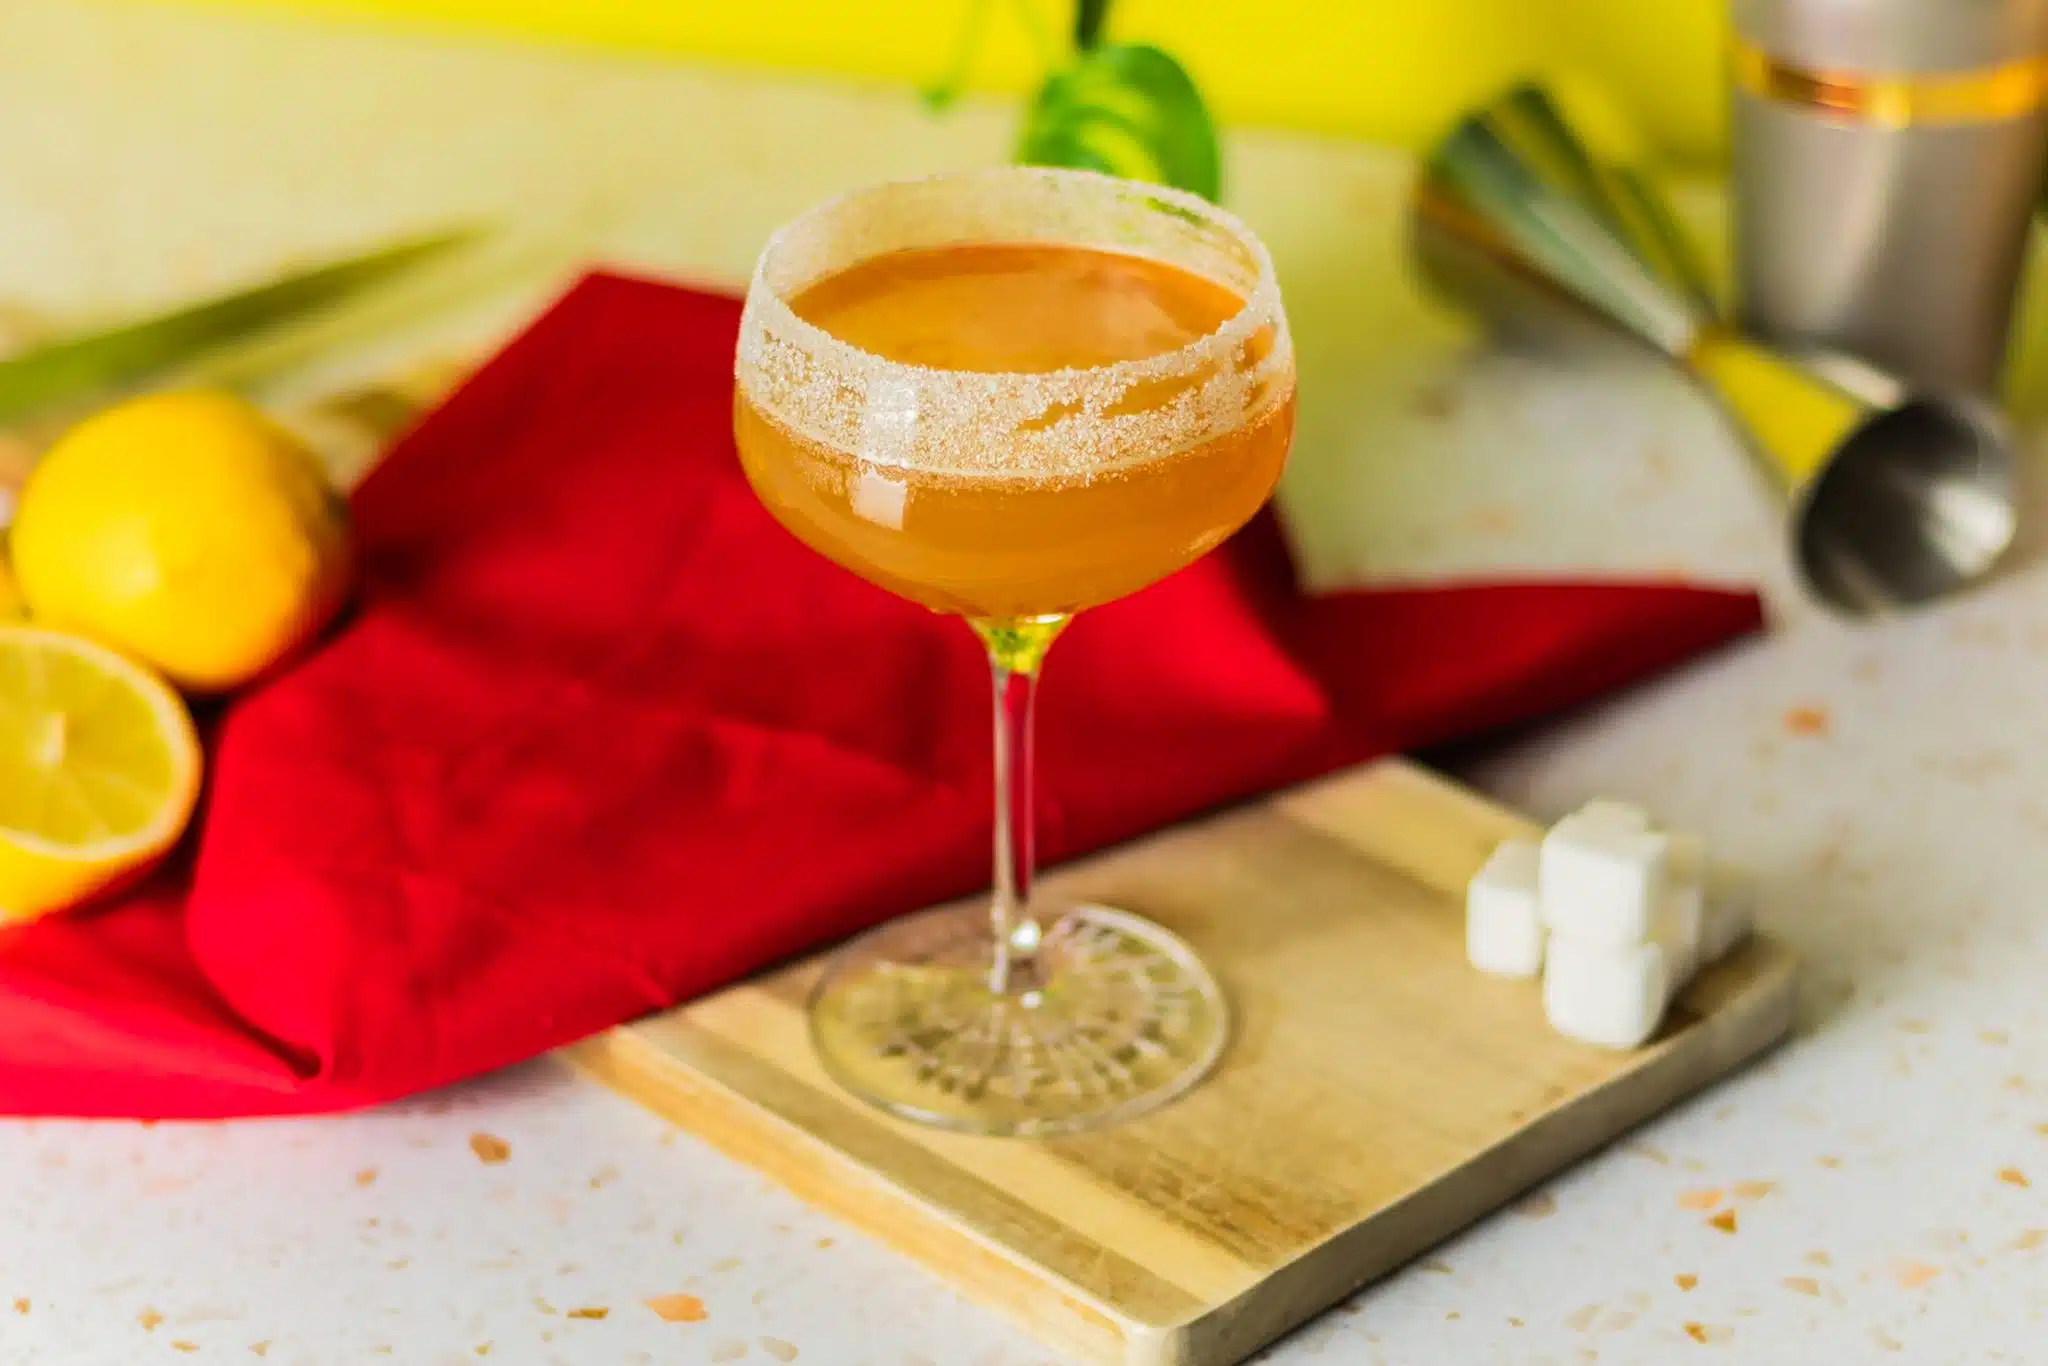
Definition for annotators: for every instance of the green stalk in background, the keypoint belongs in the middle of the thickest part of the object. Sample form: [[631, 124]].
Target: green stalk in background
[[96, 367], [1128, 109]]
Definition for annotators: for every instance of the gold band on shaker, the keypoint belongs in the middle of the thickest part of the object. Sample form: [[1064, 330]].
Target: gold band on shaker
[[1982, 95]]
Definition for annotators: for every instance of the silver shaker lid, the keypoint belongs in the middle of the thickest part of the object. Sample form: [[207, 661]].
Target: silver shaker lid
[[1894, 36]]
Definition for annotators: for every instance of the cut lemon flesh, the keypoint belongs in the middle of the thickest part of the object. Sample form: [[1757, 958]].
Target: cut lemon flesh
[[99, 769]]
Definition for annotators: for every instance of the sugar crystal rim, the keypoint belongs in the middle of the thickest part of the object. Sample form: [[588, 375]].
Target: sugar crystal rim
[[1261, 305], [1054, 423]]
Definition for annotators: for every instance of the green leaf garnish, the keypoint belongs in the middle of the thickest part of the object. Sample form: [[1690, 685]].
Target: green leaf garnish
[[1127, 109]]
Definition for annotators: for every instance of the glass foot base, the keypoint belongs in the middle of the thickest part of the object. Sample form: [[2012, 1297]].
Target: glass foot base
[[1116, 1017]]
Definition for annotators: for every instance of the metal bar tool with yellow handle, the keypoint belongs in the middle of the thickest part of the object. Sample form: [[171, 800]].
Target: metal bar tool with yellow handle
[[1896, 497]]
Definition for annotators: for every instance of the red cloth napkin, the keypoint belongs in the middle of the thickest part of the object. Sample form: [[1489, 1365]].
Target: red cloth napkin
[[602, 736]]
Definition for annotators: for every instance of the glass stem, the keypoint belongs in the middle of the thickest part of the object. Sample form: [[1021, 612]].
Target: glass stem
[[1015, 927], [1016, 648]]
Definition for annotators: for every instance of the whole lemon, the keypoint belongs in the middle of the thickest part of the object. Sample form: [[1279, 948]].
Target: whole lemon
[[12, 608], [188, 530]]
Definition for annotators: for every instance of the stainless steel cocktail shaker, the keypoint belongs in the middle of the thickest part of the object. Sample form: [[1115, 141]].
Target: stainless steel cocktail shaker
[[1887, 160]]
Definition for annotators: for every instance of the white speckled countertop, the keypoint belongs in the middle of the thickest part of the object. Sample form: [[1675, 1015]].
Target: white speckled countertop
[[1876, 1191]]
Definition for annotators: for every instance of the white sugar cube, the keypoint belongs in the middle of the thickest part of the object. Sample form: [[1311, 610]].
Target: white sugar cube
[[1619, 814], [1503, 925], [1602, 882], [1686, 857], [1729, 914], [1681, 919], [1603, 995], [1680, 932]]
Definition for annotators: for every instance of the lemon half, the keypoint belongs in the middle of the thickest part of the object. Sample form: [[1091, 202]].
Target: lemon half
[[99, 770]]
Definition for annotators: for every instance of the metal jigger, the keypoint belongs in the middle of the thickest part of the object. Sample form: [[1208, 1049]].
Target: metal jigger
[[1896, 497]]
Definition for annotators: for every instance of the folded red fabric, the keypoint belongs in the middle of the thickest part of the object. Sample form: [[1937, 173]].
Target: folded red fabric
[[602, 736]]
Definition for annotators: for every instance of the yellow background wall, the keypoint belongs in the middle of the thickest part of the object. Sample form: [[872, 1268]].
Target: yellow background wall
[[1394, 70]]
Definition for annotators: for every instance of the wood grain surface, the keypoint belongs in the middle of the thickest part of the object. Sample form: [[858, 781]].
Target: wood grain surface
[[1378, 1094]]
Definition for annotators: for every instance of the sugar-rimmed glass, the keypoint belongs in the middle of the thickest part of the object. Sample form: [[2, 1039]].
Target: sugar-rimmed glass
[[1074, 469]]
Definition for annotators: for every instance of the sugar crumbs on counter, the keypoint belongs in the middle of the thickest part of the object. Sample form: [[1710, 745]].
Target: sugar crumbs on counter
[[1808, 720], [1911, 1275], [678, 1308], [489, 1148]]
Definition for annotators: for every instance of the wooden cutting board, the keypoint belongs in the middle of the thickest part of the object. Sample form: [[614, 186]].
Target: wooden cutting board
[[1378, 1094]]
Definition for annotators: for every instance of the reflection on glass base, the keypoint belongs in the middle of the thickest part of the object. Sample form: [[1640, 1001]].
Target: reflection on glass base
[[1118, 1017]]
